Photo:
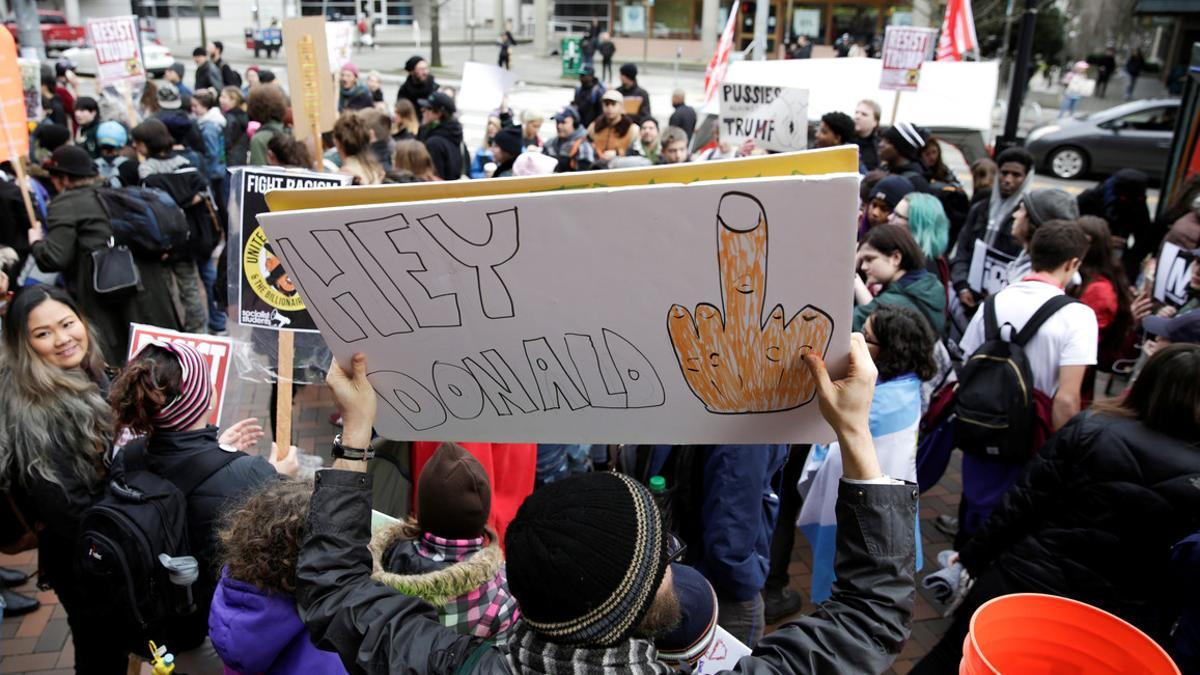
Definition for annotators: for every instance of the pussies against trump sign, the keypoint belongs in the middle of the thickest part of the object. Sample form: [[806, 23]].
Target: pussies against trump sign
[[667, 313]]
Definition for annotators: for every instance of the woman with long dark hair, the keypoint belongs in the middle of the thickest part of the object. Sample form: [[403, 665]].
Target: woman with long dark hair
[[890, 257], [55, 434], [1106, 291], [1094, 514]]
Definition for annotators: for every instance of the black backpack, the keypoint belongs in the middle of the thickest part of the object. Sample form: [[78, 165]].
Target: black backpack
[[147, 220], [995, 402], [141, 516], [183, 186]]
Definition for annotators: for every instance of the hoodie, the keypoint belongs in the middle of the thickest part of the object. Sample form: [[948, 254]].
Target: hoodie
[[258, 631], [212, 131], [917, 290], [444, 140]]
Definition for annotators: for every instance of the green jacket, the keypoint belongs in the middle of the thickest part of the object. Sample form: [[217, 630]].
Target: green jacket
[[258, 144], [917, 290]]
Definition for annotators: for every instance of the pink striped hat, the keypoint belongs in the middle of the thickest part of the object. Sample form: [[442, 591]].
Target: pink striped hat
[[195, 390]]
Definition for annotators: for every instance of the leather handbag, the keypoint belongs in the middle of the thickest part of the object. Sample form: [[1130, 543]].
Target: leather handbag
[[115, 275]]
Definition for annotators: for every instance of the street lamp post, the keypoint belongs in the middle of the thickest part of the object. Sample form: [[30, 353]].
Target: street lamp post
[[1019, 82]]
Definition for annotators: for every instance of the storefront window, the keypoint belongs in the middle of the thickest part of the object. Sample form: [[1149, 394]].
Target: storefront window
[[807, 20], [673, 18], [631, 20], [859, 21]]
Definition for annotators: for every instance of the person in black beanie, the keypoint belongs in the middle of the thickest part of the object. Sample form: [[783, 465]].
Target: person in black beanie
[[590, 563], [419, 84], [506, 147], [899, 148], [629, 89]]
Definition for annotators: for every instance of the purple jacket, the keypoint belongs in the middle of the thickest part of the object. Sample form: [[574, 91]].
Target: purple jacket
[[258, 631]]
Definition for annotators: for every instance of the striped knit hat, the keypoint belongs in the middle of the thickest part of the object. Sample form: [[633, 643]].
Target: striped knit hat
[[586, 556], [195, 390], [906, 138]]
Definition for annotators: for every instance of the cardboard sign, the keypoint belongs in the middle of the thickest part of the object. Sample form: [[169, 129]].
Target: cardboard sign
[[14, 139], [1173, 274], [775, 118], [988, 273], [905, 48], [267, 298], [310, 79], [544, 318], [118, 53], [722, 655], [483, 86], [215, 350]]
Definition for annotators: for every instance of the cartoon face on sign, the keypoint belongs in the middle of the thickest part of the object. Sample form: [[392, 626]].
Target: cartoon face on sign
[[267, 277], [793, 132]]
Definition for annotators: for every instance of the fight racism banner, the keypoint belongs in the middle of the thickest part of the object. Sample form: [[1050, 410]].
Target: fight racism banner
[[267, 298], [543, 318]]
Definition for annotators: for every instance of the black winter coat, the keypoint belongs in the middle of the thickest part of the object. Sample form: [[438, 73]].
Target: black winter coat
[[1093, 517], [684, 118], [237, 143], [444, 143], [644, 108], [375, 629], [976, 228], [415, 91]]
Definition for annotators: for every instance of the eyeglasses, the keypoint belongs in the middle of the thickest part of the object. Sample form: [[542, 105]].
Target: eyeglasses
[[675, 549]]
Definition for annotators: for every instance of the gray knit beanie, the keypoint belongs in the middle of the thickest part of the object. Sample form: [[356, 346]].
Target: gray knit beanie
[[1050, 204]]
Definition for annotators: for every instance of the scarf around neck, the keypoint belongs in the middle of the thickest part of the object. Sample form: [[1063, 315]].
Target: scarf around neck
[[530, 653], [1000, 208]]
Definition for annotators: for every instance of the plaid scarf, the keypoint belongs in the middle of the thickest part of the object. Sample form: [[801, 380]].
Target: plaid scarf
[[436, 548], [530, 653]]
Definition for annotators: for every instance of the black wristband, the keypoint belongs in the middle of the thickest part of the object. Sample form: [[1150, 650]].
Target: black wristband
[[357, 454]]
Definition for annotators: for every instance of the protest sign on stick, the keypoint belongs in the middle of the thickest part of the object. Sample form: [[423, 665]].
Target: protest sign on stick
[[775, 118], [540, 317], [31, 86], [216, 351], [310, 79], [905, 48], [119, 61], [267, 298], [483, 86]]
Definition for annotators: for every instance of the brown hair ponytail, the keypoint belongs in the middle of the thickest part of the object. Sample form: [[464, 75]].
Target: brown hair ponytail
[[143, 387]]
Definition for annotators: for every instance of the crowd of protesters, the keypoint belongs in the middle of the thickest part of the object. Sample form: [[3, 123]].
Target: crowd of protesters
[[544, 559]]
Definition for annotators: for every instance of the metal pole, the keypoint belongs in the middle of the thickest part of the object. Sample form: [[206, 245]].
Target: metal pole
[[471, 26], [1019, 82], [1004, 60], [29, 29], [646, 31], [762, 15]]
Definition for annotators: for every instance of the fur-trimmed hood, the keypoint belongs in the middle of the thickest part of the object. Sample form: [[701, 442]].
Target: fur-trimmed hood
[[438, 586]]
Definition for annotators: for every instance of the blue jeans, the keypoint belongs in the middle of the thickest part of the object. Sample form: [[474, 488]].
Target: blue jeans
[[216, 313], [1069, 103]]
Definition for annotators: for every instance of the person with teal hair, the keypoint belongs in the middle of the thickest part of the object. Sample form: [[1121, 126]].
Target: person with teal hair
[[924, 216]]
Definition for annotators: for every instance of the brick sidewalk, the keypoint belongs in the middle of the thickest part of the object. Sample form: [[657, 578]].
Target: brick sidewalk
[[40, 642]]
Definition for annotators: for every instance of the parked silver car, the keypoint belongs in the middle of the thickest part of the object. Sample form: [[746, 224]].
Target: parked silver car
[[1133, 135]]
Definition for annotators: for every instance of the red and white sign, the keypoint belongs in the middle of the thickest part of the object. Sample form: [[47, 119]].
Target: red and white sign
[[904, 50], [118, 54], [958, 32], [217, 351], [714, 75]]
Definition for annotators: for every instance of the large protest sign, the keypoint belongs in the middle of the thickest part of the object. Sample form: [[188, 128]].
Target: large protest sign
[[118, 53], [339, 41], [722, 655], [775, 118], [215, 350], [310, 79], [807, 163], [1172, 274], [988, 273], [483, 86], [267, 298], [542, 317], [31, 87], [905, 49]]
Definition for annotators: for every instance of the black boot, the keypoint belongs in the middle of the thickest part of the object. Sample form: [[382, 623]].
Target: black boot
[[16, 604], [780, 604]]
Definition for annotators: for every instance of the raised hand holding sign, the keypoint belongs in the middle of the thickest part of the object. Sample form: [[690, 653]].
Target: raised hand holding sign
[[732, 360]]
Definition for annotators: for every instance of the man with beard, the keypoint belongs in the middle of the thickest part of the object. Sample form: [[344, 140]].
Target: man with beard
[[587, 96], [442, 135], [419, 84]]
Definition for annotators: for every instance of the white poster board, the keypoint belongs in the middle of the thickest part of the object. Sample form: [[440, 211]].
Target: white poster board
[[988, 273], [483, 86], [1172, 274], [905, 48], [722, 655], [339, 40], [839, 84], [775, 118], [118, 54], [544, 318]]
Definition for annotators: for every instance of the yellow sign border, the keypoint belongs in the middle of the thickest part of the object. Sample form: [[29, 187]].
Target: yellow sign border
[[842, 159]]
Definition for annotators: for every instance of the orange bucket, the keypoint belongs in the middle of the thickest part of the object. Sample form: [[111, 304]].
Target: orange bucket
[[1035, 634]]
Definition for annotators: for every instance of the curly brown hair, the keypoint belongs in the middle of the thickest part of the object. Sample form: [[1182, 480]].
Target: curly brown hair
[[260, 537], [144, 386], [266, 103]]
